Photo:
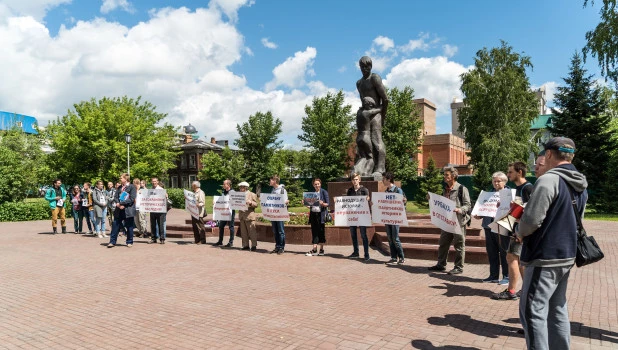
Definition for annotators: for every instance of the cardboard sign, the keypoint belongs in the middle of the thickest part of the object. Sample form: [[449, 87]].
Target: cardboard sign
[[388, 208], [352, 211], [486, 204], [238, 200], [191, 204], [506, 196], [273, 207], [221, 208], [153, 201], [310, 198], [442, 211]]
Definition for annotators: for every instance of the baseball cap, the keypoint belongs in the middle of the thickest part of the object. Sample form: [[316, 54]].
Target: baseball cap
[[562, 144], [243, 184]]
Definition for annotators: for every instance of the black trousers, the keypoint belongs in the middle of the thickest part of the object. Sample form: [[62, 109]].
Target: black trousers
[[317, 228]]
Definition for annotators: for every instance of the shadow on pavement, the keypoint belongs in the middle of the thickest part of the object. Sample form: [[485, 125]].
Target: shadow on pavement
[[456, 290], [426, 345], [468, 324]]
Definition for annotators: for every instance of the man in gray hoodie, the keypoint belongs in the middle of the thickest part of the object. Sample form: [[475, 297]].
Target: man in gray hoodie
[[548, 229]]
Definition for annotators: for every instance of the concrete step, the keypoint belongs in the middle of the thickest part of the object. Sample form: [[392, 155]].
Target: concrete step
[[428, 229], [474, 255], [433, 239], [186, 231]]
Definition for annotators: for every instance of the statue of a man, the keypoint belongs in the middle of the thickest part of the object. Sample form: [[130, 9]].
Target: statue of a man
[[371, 154]]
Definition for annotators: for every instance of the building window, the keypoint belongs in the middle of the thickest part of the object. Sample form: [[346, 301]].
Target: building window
[[185, 182], [174, 181], [192, 178], [183, 162], [192, 161]]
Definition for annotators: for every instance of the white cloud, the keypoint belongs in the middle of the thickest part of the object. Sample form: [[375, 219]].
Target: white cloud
[[110, 5], [230, 7], [291, 73], [34, 8], [342, 69], [423, 43], [449, 50], [268, 44], [435, 78], [383, 43]]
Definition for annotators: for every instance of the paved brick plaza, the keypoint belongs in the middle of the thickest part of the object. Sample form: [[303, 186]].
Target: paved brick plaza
[[70, 292]]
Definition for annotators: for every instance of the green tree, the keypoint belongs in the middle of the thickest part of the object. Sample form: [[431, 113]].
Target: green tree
[[430, 182], [258, 143], [581, 115], [498, 110], [327, 132], [89, 142], [603, 40], [227, 165], [402, 134]]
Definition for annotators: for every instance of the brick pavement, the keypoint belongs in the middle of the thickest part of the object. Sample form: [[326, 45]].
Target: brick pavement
[[70, 292]]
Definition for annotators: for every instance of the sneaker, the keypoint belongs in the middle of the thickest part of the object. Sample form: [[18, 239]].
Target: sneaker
[[490, 280], [105, 236], [518, 293], [274, 251], [129, 245], [437, 268], [229, 245], [152, 241], [110, 246], [321, 253], [64, 230], [99, 235], [353, 256], [504, 281], [253, 249], [280, 251], [366, 258], [455, 271], [401, 262], [505, 295], [312, 253], [391, 262]]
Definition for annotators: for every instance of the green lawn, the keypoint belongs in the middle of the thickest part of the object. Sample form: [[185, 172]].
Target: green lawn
[[603, 217]]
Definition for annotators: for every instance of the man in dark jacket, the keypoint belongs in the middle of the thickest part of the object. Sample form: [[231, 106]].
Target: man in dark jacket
[[548, 228], [358, 190], [124, 198]]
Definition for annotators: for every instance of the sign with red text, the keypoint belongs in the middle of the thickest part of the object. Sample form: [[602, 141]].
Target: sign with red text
[[191, 204], [238, 200], [221, 208], [442, 211], [388, 208], [486, 204], [153, 201], [352, 211], [273, 207]]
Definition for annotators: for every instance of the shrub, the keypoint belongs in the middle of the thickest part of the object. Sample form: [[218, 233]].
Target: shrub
[[25, 211]]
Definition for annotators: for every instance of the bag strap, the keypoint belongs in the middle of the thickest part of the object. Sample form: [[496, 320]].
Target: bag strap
[[580, 227]]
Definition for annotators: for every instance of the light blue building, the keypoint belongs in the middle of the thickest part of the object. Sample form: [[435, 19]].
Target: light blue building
[[10, 120]]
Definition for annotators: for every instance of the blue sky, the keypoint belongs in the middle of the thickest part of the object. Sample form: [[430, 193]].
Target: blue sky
[[213, 63]]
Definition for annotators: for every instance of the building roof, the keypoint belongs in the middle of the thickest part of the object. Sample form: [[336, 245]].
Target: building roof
[[10, 120], [541, 122], [201, 144]]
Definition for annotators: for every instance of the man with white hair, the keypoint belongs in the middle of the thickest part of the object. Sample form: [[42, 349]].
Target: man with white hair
[[247, 218], [199, 232]]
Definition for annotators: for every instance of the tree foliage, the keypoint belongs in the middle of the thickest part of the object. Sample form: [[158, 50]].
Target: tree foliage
[[603, 40], [402, 134], [227, 165], [23, 165], [430, 182], [582, 115], [258, 143], [498, 110], [89, 142], [327, 132]]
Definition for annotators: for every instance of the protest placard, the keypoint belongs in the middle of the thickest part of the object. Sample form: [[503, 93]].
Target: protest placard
[[352, 211], [153, 201], [238, 200], [506, 196], [442, 211], [388, 208], [221, 208], [486, 204], [309, 198], [273, 207], [191, 204]]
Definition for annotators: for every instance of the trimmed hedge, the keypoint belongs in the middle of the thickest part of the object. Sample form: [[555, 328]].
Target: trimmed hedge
[[177, 196], [25, 211]]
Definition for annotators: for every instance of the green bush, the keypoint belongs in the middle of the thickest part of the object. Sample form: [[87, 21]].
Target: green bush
[[177, 196], [25, 211]]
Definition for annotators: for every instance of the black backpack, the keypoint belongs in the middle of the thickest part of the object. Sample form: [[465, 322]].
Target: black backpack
[[469, 211]]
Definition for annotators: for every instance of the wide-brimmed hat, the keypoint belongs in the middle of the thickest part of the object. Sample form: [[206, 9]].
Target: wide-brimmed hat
[[243, 184]]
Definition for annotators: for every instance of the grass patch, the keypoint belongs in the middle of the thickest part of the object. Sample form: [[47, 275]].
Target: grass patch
[[601, 216]]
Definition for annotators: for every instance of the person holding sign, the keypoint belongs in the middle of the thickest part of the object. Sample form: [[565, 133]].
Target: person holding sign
[[56, 196], [124, 198], [99, 200], [157, 220], [278, 229], [317, 218], [227, 187], [199, 232], [358, 190], [451, 192], [392, 231], [87, 209], [247, 218]]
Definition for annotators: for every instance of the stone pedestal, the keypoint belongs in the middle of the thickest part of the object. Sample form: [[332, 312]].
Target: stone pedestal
[[340, 188]]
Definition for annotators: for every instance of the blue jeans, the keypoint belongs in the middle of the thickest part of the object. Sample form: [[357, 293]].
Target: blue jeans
[[78, 220], [89, 215], [99, 223], [157, 225], [279, 233], [129, 223], [392, 232], [494, 244], [363, 233]]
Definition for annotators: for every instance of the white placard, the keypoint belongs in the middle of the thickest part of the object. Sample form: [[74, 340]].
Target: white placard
[[442, 211], [221, 208], [153, 201], [238, 200], [352, 211], [486, 204], [506, 196], [273, 207], [191, 204], [388, 208]]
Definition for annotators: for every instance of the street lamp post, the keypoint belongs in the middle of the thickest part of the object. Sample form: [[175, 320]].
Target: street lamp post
[[127, 138]]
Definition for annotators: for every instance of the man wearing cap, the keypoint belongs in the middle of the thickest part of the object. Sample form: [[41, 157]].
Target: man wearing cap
[[247, 218], [548, 229]]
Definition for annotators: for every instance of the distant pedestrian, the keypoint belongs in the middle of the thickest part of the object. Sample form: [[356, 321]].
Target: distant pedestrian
[[76, 209], [56, 195], [140, 216], [99, 200], [87, 209]]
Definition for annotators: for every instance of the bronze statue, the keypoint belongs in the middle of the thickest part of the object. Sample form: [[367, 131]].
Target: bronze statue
[[371, 153]]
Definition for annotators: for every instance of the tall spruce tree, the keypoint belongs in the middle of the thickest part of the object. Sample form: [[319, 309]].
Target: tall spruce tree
[[581, 115], [430, 182]]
